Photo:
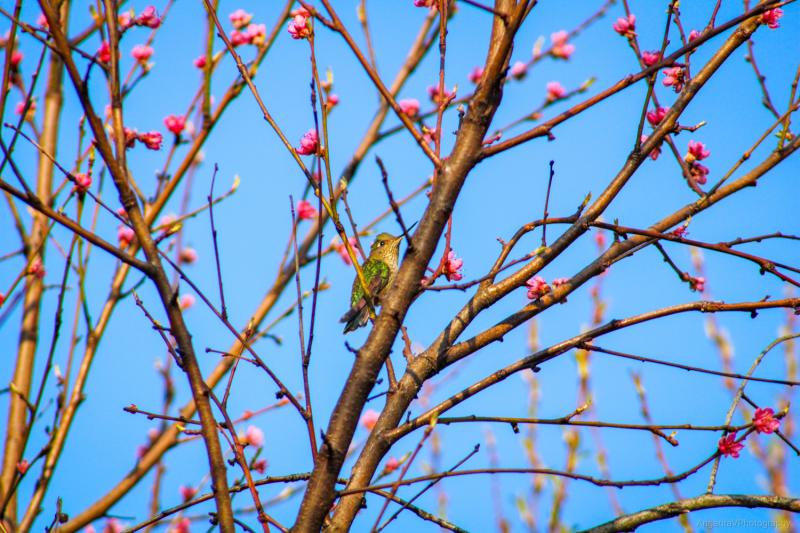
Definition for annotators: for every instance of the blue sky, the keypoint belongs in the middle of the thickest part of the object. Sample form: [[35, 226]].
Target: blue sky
[[499, 196]]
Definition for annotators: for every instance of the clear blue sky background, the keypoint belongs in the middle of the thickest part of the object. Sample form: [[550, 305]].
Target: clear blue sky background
[[500, 195]]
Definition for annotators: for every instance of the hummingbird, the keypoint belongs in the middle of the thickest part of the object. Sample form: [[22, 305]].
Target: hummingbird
[[379, 271]]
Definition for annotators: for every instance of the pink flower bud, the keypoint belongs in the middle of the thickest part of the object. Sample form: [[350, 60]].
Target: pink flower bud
[[142, 53], [475, 75], [187, 493], [309, 144], [175, 123], [37, 268], [125, 236], [555, 91], [409, 107], [188, 256], [151, 139], [254, 436], [260, 466], [452, 267], [186, 301], [305, 211], [240, 18], [626, 26], [518, 70], [200, 62], [82, 182], [651, 58], [369, 419], [561, 49], [149, 18], [104, 52]]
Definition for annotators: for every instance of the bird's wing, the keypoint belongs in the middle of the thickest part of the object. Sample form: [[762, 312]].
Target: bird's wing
[[377, 272]]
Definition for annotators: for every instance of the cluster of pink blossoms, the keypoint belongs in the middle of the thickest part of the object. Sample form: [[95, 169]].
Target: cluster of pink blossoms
[[142, 53], [244, 32], [626, 26], [771, 17], [148, 18], [538, 287], [697, 151], [151, 139], [674, 77], [452, 267], [305, 211], [300, 25], [764, 421], [560, 48], [309, 143]]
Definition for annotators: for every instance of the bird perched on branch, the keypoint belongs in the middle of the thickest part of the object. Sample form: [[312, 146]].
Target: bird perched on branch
[[379, 271]]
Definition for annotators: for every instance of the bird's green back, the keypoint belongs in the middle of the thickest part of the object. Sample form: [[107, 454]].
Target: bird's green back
[[376, 274]]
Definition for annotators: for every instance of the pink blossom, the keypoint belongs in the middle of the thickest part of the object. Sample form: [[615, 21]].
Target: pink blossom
[[305, 211], [729, 447], [16, 59], [182, 526], [680, 231], [694, 34], [391, 465], [656, 116], [260, 466], [20, 108], [674, 77], [200, 62], [142, 53], [41, 21], [125, 20], [187, 493], [764, 420], [369, 419], [37, 268], [452, 267], [300, 11], [475, 75], [331, 101], [151, 139], [626, 25], [409, 107], [600, 239], [655, 152], [186, 301], [518, 70], [240, 18], [770, 18], [341, 249], [651, 58], [560, 281], [149, 18], [125, 236], [425, 3], [256, 34], [699, 172], [175, 123], [188, 256], [555, 91], [697, 151], [299, 28], [104, 52], [239, 38], [82, 182], [23, 466], [445, 97], [537, 287], [561, 49], [254, 436], [697, 284], [309, 144]]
